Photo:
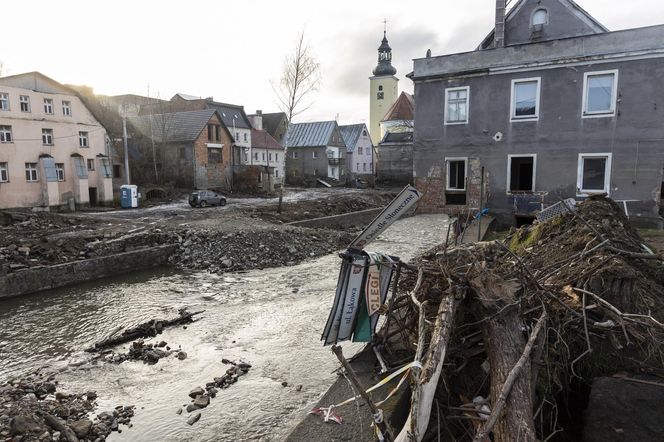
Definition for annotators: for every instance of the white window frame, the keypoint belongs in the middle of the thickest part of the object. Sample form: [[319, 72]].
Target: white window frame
[[447, 96], [314, 155], [509, 171], [4, 97], [3, 134], [4, 172], [46, 136], [34, 172], [607, 174], [294, 155], [60, 171], [513, 117], [91, 162], [614, 95], [66, 108], [83, 139], [48, 106], [25, 99], [447, 173]]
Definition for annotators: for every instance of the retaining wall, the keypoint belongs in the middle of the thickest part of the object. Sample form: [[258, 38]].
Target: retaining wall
[[361, 218], [38, 279]]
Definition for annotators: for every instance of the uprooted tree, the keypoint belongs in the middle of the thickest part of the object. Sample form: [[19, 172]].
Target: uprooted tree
[[505, 329]]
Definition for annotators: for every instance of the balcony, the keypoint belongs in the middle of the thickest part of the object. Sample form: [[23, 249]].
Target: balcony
[[332, 161]]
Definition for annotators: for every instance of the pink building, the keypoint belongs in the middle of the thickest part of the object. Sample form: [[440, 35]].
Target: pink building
[[53, 152]]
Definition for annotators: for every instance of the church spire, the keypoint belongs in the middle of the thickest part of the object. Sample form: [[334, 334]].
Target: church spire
[[384, 67]]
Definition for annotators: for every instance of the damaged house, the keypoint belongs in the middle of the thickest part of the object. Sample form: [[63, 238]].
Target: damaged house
[[550, 105], [191, 150]]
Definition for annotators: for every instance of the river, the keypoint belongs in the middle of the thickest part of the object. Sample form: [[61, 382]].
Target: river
[[270, 318]]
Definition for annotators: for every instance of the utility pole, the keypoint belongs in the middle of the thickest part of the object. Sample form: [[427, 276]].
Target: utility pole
[[125, 144]]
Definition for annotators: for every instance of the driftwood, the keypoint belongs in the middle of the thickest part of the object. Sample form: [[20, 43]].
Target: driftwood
[[60, 425], [424, 389], [145, 330]]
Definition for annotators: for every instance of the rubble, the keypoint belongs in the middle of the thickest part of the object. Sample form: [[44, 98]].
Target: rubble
[[31, 409], [523, 322]]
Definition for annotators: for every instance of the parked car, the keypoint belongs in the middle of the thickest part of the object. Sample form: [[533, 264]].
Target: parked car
[[204, 198]]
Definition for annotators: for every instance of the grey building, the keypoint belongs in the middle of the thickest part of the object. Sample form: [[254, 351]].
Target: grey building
[[316, 151], [551, 105]]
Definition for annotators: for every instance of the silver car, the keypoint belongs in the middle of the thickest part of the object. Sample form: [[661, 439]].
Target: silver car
[[204, 198]]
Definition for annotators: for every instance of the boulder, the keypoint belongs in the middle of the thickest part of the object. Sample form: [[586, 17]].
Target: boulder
[[81, 427], [22, 424], [192, 420], [198, 391], [202, 401]]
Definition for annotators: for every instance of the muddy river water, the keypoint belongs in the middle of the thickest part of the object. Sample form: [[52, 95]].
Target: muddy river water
[[270, 318]]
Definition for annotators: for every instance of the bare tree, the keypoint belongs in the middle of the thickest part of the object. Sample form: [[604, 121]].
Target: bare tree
[[300, 78]]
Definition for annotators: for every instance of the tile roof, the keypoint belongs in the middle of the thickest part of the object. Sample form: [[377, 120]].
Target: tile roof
[[230, 113], [261, 139], [402, 109], [310, 134], [272, 121], [351, 133], [173, 127]]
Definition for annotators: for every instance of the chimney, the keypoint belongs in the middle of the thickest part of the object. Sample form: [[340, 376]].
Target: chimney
[[257, 120], [499, 32]]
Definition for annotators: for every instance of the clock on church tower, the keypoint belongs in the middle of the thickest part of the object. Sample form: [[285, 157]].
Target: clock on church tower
[[383, 88]]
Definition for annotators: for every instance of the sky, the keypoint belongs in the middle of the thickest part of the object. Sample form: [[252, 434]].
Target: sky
[[234, 50]]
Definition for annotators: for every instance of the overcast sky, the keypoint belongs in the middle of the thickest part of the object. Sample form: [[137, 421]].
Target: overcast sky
[[234, 50]]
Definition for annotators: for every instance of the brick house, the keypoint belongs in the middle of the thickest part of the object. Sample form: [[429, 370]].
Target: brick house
[[193, 149]]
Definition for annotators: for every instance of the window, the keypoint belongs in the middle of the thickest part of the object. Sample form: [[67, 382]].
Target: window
[[364, 167], [237, 136], [91, 165], [48, 106], [358, 167], [276, 157], [210, 132], [4, 101], [359, 150], [314, 154], [594, 173], [4, 173], [456, 105], [81, 170], [380, 95], [47, 137], [263, 156], [295, 155], [31, 174], [215, 155], [370, 167], [276, 173], [214, 132], [106, 168], [456, 174], [599, 93], [25, 103], [540, 17], [255, 156], [83, 140], [117, 171], [525, 99], [6, 134], [269, 157], [315, 172], [60, 171], [521, 173], [66, 108], [245, 137]]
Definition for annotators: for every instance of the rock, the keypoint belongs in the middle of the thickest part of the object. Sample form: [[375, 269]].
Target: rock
[[227, 263], [202, 401], [56, 436], [91, 395], [114, 425], [179, 411], [298, 388], [192, 420], [162, 344], [284, 384], [198, 391], [192, 407], [182, 355], [59, 396], [81, 428], [212, 392], [25, 424], [23, 250]]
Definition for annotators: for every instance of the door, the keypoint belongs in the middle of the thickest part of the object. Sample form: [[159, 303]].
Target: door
[[93, 195]]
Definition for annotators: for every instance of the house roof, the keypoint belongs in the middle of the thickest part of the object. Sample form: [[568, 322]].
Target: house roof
[[351, 133], [398, 137], [232, 114], [187, 96], [272, 121], [402, 110], [581, 13], [310, 134], [173, 127], [36, 81], [261, 139]]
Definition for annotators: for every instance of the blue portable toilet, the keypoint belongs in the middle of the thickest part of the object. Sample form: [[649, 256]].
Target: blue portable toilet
[[129, 196]]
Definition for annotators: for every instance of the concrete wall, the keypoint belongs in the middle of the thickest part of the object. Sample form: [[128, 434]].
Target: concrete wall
[[45, 278], [634, 135], [27, 146]]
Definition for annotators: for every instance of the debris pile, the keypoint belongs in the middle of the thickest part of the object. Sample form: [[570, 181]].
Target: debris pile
[[32, 409], [200, 398], [140, 351], [506, 330], [219, 252]]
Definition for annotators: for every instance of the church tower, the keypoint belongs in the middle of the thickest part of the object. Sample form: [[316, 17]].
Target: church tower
[[383, 88]]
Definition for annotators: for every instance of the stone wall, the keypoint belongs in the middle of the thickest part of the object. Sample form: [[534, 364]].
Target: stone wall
[[38, 279]]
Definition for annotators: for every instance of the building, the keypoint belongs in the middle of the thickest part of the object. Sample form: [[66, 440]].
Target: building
[[268, 154], [383, 88], [395, 150], [190, 150], [551, 105], [359, 152], [316, 151], [276, 124], [53, 152]]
